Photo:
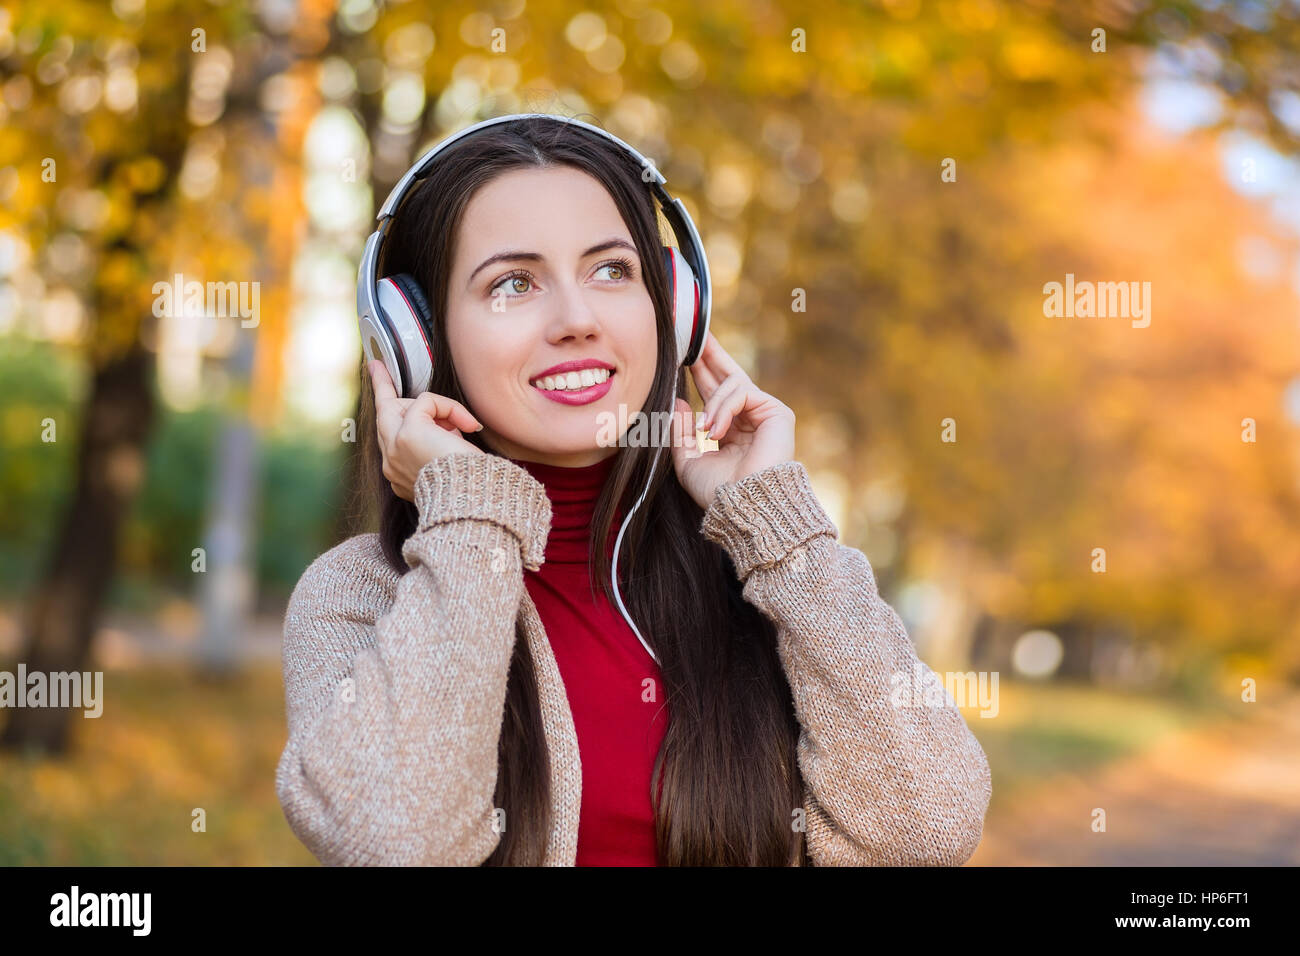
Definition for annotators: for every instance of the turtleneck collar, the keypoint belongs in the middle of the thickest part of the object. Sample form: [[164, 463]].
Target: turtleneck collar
[[573, 493]]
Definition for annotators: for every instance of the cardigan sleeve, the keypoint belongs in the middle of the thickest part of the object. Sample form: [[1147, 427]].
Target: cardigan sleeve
[[884, 784], [395, 693]]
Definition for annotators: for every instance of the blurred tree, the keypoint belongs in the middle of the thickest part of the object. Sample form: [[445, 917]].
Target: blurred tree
[[285, 76], [105, 94], [809, 141]]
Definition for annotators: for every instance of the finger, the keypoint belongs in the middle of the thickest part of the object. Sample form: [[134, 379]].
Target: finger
[[734, 404], [683, 435], [716, 358], [441, 408], [722, 368], [382, 382], [706, 383], [720, 395], [384, 388], [388, 419], [456, 413]]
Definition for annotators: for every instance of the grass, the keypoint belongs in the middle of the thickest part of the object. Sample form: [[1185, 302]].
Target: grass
[[1044, 729], [169, 742], [166, 744]]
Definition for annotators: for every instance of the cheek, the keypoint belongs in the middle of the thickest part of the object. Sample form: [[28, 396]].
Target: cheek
[[484, 379], [489, 368], [645, 350]]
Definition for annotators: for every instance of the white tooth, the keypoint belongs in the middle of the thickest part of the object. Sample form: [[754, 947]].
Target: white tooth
[[573, 380], [601, 375], [548, 383], [588, 377]]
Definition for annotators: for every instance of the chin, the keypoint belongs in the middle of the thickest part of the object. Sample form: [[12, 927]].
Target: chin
[[578, 445], [567, 442]]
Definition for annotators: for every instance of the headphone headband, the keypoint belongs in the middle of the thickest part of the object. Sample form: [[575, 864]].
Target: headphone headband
[[422, 165], [401, 338], [679, 220]]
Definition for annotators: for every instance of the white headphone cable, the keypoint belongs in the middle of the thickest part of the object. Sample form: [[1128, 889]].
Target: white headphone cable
[[618, 542]]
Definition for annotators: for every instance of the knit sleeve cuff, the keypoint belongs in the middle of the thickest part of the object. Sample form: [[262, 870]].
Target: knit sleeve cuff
[[486, 488], [764, 516]]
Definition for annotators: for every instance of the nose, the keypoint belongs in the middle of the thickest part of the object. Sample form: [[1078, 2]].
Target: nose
[[572, 317]]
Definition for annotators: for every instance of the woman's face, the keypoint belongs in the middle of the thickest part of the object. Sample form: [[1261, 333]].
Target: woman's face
[[557, 294]]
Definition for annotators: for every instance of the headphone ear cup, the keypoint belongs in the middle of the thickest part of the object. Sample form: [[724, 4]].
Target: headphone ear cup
[[416, 296], [684, 289], [406, 311]]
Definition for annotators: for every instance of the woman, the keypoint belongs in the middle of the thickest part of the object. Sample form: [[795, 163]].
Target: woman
[[460, 688]]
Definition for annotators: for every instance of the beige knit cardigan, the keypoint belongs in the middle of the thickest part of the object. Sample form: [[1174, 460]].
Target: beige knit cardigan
[[395, 683]]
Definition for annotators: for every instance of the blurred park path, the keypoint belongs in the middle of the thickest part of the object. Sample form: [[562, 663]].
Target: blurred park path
[[1219, 795], [1183, 783], [126, 639]]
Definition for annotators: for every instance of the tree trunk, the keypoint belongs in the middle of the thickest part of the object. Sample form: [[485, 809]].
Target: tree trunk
[[65, 608], [228, 586]]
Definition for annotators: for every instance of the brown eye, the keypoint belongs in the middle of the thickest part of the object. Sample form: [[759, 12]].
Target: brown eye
[[512, 281], [622, 267]]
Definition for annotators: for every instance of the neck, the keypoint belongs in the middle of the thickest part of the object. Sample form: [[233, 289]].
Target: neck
[[573, 491], [520, 455]]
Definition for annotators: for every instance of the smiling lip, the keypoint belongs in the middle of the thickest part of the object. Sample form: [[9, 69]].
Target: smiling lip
[[579, 396], [573, 365]]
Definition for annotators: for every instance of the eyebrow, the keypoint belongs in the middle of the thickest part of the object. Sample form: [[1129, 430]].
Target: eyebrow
[[513, 254]]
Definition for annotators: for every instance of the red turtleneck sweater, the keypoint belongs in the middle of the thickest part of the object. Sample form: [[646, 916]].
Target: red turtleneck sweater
[[613, 684]]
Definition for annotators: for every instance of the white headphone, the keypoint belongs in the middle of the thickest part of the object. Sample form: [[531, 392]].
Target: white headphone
[[397, 326]]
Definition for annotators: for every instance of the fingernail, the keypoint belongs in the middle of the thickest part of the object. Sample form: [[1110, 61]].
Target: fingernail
[[480, 427]]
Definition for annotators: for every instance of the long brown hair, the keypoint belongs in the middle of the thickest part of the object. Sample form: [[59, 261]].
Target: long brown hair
[[727, 765]]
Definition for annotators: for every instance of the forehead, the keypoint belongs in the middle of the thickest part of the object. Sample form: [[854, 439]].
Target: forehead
[[560, 209]]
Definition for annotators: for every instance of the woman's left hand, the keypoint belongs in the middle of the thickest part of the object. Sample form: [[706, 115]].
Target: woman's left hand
[[753, 429]]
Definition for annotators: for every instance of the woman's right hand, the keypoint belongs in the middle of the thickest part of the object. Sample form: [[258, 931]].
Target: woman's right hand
[[414, 431]]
